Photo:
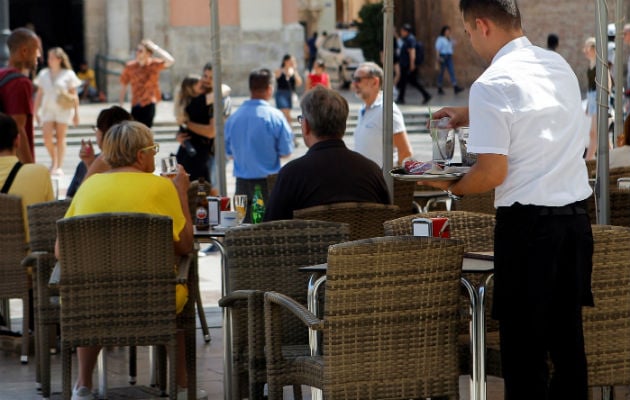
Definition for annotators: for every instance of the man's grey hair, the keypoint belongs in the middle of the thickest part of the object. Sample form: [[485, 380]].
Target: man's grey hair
[[326, 112], [373, 70]]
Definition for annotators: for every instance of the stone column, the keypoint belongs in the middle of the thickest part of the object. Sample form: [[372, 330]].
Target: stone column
[[118, 45], [118, 28]]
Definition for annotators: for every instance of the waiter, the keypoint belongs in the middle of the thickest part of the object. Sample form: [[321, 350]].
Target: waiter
[[523, 125]]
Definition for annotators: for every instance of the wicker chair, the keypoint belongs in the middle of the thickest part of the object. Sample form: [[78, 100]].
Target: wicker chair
[[404, 197], [591, 166], [389, 325], [192, 205], [117, 286], [14, 282], [42, 226], [478, 202], [619, 207], [365, 219], [607, 325], [476, 231], [616, 173], [266, 257]]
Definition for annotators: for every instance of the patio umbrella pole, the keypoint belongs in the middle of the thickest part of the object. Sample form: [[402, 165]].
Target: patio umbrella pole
[[219, 140], [619, 82], [219, 154], [388, 95], [601, 77]]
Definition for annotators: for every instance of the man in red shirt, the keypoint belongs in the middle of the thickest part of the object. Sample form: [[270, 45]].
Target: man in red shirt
[[143, 74], [16, 95]]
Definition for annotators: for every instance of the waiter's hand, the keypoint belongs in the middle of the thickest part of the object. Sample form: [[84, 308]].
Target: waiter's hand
[[458, 116]]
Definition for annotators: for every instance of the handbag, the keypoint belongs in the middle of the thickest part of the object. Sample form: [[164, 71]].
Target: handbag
[[66, 100]]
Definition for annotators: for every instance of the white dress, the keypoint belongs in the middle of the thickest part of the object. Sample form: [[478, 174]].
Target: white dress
[[49, 109]]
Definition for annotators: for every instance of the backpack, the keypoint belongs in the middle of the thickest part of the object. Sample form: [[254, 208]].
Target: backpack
[[6, 79], [419, 52]]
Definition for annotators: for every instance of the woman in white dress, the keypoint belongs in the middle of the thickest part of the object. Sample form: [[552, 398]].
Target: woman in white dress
[[52, 81]]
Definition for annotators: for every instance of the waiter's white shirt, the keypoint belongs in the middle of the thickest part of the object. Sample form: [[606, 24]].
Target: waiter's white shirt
[[526, 106]]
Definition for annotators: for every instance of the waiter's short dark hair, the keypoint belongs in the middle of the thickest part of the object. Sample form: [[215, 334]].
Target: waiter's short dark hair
[[504, 13]]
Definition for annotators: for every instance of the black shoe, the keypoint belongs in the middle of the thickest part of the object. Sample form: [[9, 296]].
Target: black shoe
[[440, 91], [426, 99], [458, 89]]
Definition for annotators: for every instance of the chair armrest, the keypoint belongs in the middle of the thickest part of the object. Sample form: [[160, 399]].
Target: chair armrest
[[183, 265], [55, 276], [31, 259], [230, 299], [286, 302]]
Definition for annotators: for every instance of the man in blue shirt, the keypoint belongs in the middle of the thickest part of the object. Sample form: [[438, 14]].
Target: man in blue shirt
[[256, 136]]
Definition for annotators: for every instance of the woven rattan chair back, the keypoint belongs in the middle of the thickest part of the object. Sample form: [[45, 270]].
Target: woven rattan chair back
[[403, 196], [267, 257], [476, 230], [607, 325], [591, 166], [478, 202], [42, 225], [117, 284], [400, 308], [619, 212], [13, 249], [365, 219], [616, 173]]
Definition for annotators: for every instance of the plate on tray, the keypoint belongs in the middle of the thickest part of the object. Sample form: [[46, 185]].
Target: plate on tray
[[449, 174]]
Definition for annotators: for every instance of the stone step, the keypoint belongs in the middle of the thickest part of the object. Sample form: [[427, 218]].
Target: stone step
[[165, 132]]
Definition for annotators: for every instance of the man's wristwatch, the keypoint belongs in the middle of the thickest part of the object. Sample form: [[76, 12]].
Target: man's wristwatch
[[452, 195]]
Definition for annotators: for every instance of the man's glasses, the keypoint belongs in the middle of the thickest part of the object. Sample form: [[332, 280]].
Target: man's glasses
[[300, 118], [357, 79], [154, 147]]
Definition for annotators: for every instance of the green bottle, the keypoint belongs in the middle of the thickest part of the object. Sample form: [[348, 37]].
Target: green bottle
[[258, 206]]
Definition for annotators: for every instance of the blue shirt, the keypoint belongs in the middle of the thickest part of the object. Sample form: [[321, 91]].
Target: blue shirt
[[256, 136], [443, 45]]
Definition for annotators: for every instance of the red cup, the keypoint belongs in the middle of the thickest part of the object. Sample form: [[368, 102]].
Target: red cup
[[225, 203], [441, 227]]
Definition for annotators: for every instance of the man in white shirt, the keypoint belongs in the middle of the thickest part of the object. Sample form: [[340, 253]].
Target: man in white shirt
[[522, 126], [368, 135]]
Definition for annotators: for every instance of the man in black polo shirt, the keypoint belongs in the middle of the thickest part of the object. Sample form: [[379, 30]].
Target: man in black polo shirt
[[328, 172]]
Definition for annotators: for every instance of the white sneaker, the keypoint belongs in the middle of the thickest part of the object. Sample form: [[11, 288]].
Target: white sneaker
[[81, 393], [183, 394]]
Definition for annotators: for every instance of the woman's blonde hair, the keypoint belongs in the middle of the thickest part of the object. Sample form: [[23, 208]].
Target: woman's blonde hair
[[60, 54], [184, 96], [122, 142]]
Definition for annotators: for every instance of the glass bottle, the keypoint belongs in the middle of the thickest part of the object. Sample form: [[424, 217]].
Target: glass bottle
[[258, 205], [202, 218]]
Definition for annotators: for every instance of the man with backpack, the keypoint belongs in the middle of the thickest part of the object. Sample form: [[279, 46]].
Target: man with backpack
[[411, 56], [16, 89]]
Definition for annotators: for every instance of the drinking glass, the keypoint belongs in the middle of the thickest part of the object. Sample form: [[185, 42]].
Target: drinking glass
[[240, 206], [443, 139], [468, 159], [169, 167]]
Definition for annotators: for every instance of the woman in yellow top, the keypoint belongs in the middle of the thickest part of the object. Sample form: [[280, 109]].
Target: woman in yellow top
[[130, 186]]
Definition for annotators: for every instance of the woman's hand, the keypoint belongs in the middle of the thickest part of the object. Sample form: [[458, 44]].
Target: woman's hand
[[181, 136], [86, 153], [181, 181], [75, 119]]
